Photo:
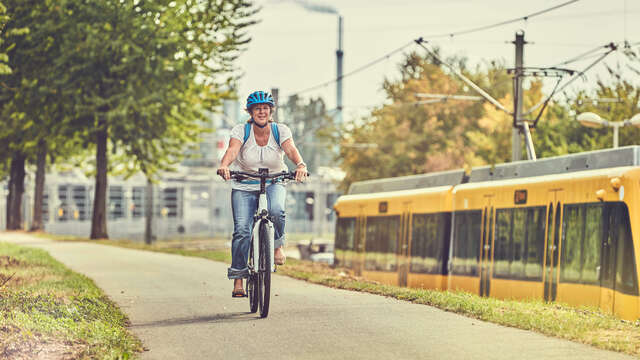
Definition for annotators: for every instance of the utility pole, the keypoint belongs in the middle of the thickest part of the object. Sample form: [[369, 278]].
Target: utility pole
[[339, 55], [516, 143]]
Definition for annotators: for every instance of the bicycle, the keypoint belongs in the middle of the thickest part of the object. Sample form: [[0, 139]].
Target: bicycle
[[261, 252]]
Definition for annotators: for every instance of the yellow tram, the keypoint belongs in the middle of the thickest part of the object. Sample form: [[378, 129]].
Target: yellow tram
[[563, 228]]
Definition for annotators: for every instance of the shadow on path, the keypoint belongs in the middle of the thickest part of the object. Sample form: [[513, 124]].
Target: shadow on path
[[216, 318]]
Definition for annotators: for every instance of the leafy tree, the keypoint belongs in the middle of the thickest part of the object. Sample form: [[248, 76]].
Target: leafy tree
[[415, 138], [139, 75], [20, 95]]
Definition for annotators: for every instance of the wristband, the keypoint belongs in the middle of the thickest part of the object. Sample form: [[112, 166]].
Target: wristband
[[301, 163]]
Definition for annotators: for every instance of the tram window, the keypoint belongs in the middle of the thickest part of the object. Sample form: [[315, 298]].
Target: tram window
[[504, 218], [345, 235], [573, 228], [626, 280], [427, 242], [381, 243], [592, 244], [466, 242], [535, 243], [517, 248], [519, 242]]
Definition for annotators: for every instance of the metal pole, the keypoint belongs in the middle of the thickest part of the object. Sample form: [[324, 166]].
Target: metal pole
[[616, 130], [274, 93], [148, 212], [531, 151], [516, 144], [339, 55]]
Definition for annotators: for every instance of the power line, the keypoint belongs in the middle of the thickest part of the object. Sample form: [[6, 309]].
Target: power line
[[475, 87], [612, 47], [363, 67], [582, 56], [486, 27], [386, 56]]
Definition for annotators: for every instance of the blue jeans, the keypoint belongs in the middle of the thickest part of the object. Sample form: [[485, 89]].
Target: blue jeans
[[244, 205]]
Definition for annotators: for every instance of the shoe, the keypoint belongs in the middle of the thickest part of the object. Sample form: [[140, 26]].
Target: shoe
[[238, 293], [279, 260]]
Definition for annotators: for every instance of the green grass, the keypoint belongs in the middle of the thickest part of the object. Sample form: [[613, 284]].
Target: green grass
[[585, 325], [46, 308]]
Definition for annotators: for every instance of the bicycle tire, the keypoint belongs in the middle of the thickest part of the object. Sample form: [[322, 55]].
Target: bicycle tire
[[252, 286], [265, 271]]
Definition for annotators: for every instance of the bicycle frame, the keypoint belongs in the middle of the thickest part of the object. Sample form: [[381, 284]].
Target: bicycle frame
[[262, 216]]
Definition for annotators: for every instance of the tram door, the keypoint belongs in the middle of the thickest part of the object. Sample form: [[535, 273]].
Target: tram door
[[403, 246], [486, 246], [608, 259], [552, 245]]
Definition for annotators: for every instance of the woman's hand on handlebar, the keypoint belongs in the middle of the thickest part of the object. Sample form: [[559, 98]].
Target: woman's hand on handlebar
[[224, 172], [301, 173]]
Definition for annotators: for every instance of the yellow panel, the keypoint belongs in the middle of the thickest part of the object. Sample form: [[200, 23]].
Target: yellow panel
[[626, 306], [466, 283], [388, 278], [420, 200], [516, 289], [427, 281], [579, 294]]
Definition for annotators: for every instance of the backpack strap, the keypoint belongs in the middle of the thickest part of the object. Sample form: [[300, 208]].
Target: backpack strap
[[275, 132], [247, 132]]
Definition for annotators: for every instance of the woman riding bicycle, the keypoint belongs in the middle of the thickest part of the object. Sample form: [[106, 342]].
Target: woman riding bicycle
[[259, 150]]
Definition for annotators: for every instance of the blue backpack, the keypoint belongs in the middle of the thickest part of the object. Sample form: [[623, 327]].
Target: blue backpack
[[274, 131]]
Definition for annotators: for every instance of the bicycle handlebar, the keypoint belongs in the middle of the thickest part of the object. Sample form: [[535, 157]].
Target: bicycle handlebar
[[241, 175], [285, 174]]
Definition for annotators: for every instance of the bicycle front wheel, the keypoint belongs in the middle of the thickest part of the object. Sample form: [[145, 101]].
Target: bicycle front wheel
[[264, 273], [253, 289]]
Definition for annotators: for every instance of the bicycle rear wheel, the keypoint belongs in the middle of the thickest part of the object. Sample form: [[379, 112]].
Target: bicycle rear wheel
[[264, 273], [253, 289]]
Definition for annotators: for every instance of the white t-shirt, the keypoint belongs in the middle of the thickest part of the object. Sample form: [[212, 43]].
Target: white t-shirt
[[252, 156]]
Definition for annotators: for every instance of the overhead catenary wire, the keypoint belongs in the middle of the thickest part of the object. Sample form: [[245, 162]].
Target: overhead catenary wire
[[502, 23], [613, 48], [468, 31], [582, 56], [475, 87], [355, 71]]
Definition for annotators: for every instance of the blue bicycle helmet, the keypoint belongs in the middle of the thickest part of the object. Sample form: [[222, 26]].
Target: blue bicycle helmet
[[260, 97]]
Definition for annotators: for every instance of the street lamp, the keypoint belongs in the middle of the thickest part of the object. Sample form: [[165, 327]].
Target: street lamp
[[593, 120]]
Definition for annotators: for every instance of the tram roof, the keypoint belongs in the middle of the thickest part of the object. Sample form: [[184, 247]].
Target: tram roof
[[591, 160]]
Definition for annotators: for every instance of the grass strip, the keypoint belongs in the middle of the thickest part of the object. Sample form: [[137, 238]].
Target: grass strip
[[581, 324], [48, 311]]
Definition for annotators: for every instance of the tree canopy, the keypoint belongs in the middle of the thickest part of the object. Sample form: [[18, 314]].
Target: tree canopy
[[414, 136]]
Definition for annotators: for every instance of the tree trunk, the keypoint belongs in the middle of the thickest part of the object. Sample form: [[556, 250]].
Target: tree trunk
[[37, 224], [9, 200], [99, 219], [148, 213], [16, 189]]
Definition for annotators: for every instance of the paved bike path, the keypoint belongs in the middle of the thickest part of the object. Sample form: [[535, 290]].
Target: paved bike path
[[181, 308]]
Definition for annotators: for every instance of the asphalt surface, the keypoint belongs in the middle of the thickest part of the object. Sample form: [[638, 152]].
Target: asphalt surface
[[181, 308]]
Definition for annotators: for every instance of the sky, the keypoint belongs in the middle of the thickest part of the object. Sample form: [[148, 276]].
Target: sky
[[293, 48]]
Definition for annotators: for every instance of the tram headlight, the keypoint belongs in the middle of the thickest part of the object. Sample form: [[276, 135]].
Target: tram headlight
[[616, 183]]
